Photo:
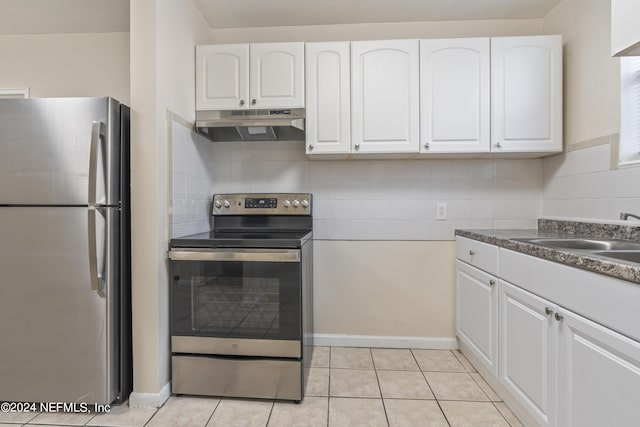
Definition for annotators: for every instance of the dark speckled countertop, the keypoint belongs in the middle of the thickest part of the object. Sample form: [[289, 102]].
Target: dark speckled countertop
[[625, 270]]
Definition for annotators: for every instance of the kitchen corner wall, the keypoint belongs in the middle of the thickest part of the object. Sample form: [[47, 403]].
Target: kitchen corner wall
[[585, 182]]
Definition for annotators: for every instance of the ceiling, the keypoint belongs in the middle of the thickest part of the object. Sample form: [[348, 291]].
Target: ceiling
[[82, 16], [261, 13]]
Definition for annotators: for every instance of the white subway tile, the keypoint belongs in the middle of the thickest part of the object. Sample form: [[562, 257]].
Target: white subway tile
[[420, 229], [359, 230], [482, 170], [482, 209], [319, 170], [179, 186], [379, 229], [320, 229], [339, 229], [602, 209], [420, 189], [462, 169], [626, 182], [441, 170], [422, 209], [400, 229], [459, 209], [419, 169]]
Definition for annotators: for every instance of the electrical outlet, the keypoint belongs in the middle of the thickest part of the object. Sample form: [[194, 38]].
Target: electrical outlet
[[441, 211]]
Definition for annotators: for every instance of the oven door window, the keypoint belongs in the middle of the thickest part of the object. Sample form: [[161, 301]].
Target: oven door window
[[237, 299]]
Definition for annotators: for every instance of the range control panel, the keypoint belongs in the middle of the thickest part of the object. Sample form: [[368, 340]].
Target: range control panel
[[262, 204]]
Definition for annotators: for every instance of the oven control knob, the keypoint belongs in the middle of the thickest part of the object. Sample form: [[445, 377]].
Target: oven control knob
[[286, 203], [296, 204], [218, 204], [226, 204], [305, 203]]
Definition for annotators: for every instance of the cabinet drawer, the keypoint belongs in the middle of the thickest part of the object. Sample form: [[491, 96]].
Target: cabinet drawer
[[481, 255]]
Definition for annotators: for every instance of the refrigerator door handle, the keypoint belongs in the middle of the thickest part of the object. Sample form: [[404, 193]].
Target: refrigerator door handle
[[96, 277], [97, 131]]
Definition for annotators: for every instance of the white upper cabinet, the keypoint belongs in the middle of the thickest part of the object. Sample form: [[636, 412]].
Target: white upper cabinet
[[222, 77], [526, 94], [240, 76], [385, 96], [625, 29], [277, 75], [454, 95], [328, 86]]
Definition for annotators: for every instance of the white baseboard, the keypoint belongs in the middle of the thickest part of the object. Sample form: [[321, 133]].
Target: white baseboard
[[428, 343], [150, 400]]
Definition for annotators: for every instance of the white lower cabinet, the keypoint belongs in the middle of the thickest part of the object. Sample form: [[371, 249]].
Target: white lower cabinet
[[476, 313], [599, 375], [556, 367], [527, 350]]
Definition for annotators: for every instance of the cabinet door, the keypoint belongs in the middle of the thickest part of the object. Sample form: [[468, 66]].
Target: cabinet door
[[527, 351], [476, 313], [222, 77], [328, 87], [526, 94], [277, 75], [625, 31], [599, 378], [454, 95], [385, 96]]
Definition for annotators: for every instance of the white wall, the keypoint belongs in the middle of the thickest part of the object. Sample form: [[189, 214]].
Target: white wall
[[385, 289], [163, 36], [585, 182], [62, 65]]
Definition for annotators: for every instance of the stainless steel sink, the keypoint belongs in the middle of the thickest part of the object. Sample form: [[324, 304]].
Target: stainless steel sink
[[583, 244], [633, 256]]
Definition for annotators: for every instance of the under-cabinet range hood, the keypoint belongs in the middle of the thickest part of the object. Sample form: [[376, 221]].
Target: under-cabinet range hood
[[252, 125]]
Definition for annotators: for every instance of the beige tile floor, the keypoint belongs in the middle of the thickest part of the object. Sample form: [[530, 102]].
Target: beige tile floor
[[347, 387]]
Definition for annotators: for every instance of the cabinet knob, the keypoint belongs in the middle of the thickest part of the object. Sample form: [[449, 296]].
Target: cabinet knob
[[559, 317], [499, 144], [492, 282], [426, 146], [471, 253], [548, 311], [242, 102], [357, 147], [310, 147], [253, 101]]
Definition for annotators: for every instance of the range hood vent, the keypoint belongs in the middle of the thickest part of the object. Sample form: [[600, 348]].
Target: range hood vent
[[252, 125]]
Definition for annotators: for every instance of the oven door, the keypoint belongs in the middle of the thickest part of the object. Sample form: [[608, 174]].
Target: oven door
[[244, 302]]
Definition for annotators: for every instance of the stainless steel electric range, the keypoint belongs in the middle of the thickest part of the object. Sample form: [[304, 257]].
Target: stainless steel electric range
[[241, 299]]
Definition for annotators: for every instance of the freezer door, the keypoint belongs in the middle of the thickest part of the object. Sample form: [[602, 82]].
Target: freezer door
[[45, 147], [57, 332]]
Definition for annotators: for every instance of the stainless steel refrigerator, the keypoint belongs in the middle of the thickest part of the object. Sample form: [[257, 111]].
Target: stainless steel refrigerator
[[65, 311]]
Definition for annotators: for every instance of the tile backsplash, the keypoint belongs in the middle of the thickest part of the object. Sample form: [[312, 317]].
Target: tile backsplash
[[191, 168], [386, 199], [396, 199], [581, 184]]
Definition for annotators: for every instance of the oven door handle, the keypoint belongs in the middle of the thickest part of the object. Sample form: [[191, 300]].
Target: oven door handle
[[240, 255]]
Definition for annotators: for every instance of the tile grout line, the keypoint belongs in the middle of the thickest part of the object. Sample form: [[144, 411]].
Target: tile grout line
[[329, 389], [212, 412], [430, 388], [384, 407]]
